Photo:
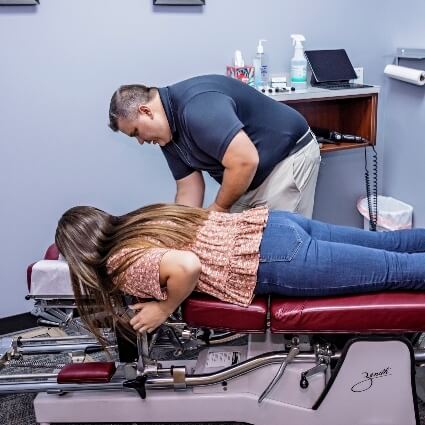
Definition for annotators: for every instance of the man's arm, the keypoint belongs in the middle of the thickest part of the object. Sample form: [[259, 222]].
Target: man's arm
[[179, 272], [190, 190], [240, 163]]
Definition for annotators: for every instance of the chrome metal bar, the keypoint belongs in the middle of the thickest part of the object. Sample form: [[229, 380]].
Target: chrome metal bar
[[44, 322], [293, 352], [157, 382], [28, 376], [54, 387], [168, 381], [230, 372], [59, 299], [420, 355], [60, 348], [58, 338]]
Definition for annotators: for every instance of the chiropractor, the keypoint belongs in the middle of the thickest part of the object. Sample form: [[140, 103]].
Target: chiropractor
[[260, 151]]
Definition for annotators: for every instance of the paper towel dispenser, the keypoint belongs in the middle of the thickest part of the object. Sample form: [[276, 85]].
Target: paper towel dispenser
[[19, 2], [407, 74]]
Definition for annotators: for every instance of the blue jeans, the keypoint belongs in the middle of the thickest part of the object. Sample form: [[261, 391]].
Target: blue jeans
[[303, 257]]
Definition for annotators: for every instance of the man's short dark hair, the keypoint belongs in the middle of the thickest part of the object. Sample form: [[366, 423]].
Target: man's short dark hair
[[125, 101]]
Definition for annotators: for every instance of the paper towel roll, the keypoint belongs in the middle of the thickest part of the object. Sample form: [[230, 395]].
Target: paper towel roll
[[409, 75]]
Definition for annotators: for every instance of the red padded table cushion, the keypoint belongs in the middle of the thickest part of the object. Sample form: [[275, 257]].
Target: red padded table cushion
[[29, 274], [85, 373], [52, 253], [203, 310], [384, 312]]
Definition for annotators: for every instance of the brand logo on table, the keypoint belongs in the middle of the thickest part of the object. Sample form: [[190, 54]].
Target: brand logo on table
[[369, 378]]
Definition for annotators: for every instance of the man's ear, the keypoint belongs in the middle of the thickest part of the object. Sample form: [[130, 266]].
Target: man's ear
[[145, 110]]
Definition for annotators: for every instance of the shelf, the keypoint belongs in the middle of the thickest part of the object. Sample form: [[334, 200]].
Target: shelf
[[332, 147], [350, 114]]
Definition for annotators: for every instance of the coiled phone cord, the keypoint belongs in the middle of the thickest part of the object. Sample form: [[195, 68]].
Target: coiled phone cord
[[372, 190]]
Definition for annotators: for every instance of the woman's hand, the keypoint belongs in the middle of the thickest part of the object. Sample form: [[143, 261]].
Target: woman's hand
[[150, 316]]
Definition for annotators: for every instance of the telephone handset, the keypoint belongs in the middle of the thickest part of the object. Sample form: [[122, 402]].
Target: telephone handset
[[330, 136]]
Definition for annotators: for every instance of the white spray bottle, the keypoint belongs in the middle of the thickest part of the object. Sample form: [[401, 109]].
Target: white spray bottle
[[298, 63], [260, 66]]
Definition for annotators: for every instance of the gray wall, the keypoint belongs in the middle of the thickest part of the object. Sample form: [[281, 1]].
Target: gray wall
[[403, 123], [61, 61]]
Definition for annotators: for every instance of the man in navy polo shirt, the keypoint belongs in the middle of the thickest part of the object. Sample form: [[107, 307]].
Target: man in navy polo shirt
[[259, 150]]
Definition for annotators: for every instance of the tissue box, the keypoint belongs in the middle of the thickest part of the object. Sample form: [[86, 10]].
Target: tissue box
[[242, 73]]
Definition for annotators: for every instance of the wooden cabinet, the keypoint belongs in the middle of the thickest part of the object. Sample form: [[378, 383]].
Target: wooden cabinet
[[351, 111]]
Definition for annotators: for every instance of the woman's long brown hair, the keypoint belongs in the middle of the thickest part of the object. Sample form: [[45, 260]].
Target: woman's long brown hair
[[87, 237]]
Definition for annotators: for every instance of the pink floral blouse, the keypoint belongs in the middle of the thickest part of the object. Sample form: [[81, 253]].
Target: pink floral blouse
[[228, 248]]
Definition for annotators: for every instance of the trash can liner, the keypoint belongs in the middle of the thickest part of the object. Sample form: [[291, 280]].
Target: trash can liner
[[392, 213]]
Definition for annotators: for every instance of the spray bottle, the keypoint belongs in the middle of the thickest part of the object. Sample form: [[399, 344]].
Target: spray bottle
[[298, 63], [260, 66]]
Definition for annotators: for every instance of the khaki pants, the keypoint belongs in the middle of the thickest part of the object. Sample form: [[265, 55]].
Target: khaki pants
[[290, 186]]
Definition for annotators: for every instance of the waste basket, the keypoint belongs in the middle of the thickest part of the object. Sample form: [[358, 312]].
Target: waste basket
[[392, 214]]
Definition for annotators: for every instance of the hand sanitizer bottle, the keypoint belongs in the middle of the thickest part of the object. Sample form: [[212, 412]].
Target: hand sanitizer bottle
[[261, 77], [298, 63]]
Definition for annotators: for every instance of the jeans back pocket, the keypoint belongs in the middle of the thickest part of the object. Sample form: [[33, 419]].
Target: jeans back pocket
[[281, 241]]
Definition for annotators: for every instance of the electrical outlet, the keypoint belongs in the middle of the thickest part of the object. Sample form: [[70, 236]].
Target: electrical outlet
[[359, 72]]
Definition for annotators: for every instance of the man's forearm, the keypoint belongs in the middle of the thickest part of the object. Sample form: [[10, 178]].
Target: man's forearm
[[235, 183], [190, 190], [189, 198]]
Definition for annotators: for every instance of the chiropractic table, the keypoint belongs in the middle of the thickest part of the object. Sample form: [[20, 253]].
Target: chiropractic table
[[331, 360]]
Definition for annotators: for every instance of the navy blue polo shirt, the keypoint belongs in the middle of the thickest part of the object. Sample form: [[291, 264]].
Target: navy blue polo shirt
[[205, 113]]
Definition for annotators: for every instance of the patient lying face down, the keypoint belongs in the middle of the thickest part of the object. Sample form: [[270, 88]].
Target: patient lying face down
[[166, 251]]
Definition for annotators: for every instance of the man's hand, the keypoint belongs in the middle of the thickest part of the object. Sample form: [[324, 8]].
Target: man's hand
[[151, 315], [216, 207]]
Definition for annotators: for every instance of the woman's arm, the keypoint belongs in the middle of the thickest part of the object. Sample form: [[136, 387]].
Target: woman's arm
[[179, 272]]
